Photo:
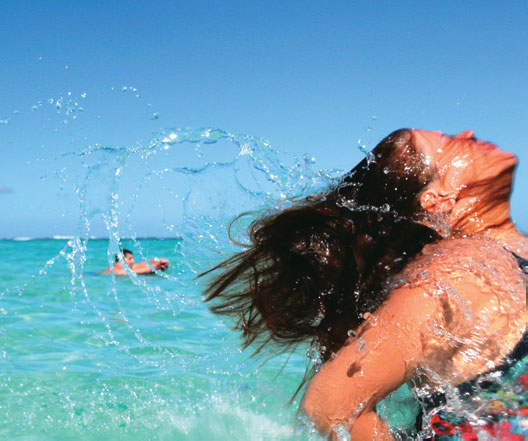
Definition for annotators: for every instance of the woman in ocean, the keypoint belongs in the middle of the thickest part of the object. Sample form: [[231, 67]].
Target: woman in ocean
[[409, 270]]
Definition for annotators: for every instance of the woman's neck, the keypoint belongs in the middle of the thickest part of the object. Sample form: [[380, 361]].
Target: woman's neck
[[493, 222], [510, 238]]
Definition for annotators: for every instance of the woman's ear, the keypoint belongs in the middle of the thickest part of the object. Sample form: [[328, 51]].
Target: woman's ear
[[433, 201]]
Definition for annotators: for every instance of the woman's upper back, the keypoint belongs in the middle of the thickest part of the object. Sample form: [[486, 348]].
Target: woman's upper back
[[456, 311], [480, 297]]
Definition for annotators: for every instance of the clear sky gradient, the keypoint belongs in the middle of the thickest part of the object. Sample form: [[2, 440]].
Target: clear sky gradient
[[311, 77]]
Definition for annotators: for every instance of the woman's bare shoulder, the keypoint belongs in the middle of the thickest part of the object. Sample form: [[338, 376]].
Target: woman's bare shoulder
[[471, 280], [481, 260], [481, 295]]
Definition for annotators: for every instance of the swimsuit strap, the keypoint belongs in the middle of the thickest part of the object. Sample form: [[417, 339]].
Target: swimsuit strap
[[521, 348], [521, 261]]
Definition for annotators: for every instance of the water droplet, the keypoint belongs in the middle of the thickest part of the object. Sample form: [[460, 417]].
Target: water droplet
[[361, 346]]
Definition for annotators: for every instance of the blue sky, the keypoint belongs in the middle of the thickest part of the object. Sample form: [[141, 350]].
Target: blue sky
[[311, 77]]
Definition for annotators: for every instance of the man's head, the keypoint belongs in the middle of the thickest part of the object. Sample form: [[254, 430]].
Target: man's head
[[128, 257]]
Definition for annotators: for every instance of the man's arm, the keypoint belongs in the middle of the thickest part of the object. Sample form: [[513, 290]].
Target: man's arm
[[159, 263], [142, 268], [154, 264]]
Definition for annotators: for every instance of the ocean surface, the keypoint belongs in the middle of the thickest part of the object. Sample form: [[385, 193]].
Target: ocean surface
[[88, 356]]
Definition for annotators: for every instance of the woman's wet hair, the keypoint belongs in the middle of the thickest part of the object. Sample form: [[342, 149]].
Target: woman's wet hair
[[313, 270]]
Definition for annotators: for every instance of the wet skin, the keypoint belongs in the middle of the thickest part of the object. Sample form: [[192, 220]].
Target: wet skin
[[138, 268], [458, 321], [474, 183]]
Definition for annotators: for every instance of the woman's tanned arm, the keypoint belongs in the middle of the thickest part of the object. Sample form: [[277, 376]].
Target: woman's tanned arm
[[371, 365]]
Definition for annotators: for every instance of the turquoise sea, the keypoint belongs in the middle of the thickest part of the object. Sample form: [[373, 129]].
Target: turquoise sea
[[86, 356]]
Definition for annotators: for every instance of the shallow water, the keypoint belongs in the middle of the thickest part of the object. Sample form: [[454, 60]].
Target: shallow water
[[127, 359]]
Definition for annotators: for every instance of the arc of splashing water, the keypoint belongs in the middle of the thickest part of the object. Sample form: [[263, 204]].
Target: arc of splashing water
[[247, 147], [258, 150]]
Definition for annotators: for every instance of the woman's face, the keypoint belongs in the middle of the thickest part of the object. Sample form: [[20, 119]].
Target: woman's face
[[462, 160]]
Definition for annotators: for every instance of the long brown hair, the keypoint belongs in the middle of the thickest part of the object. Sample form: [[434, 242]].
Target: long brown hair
[[314, 269]]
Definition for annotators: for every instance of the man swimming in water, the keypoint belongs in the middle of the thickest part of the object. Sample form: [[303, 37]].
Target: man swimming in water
[[127, 257]]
